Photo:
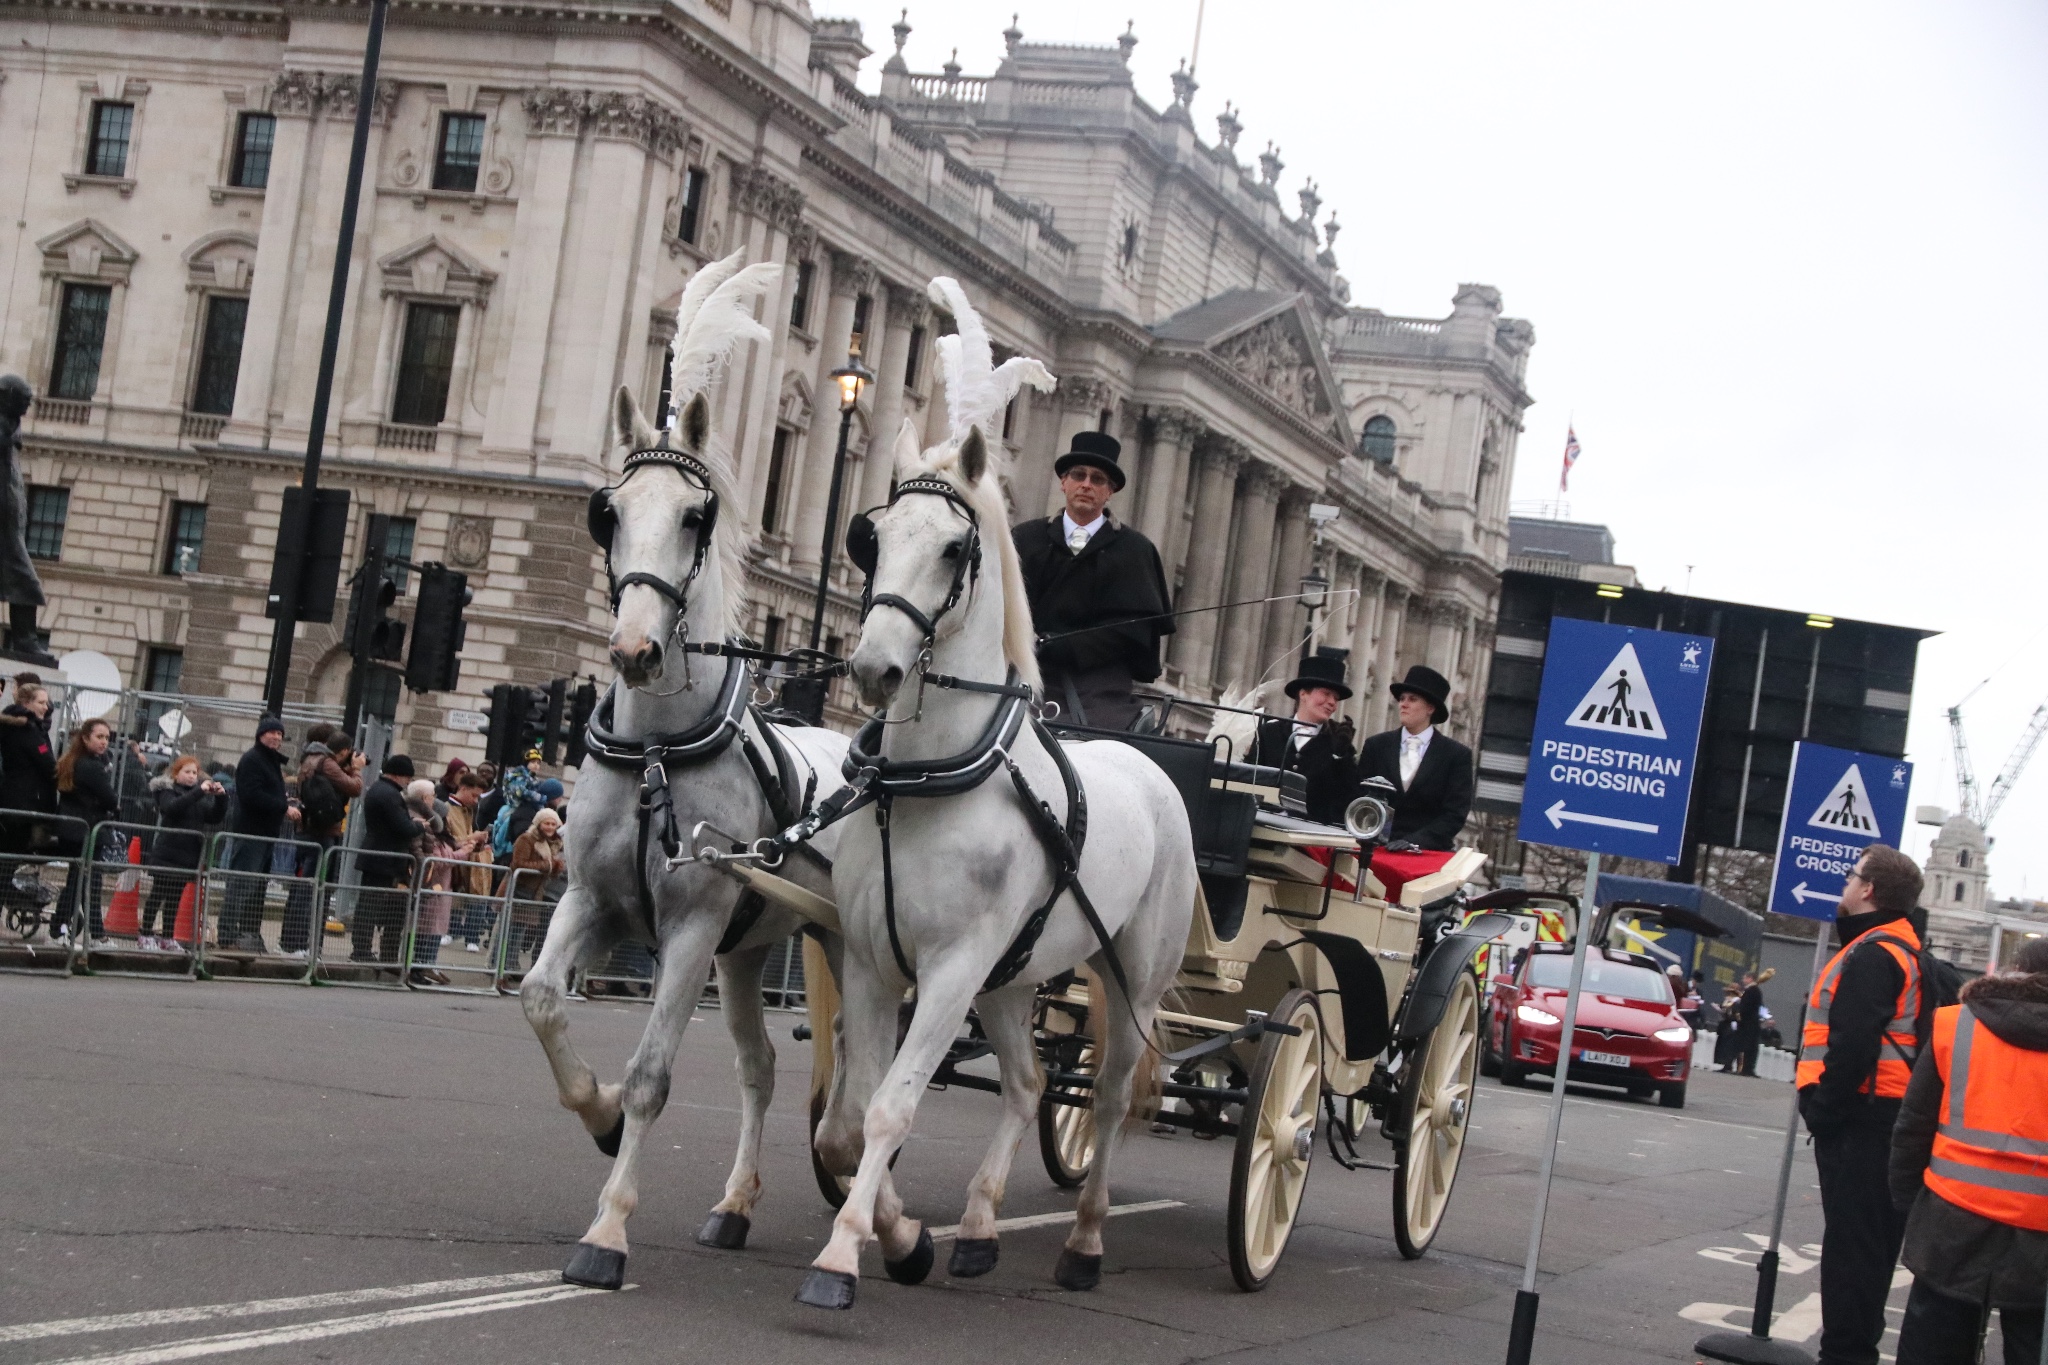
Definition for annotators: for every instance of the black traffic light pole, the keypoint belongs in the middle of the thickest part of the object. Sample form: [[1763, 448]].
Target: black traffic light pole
[[292, 539]]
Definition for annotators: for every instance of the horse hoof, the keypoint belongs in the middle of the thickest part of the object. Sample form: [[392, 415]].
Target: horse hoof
[[972, 1256], [828, 1289], [596, 1267], [913, 1268], [609, 1142], [726, 1231], [1076, 1271]]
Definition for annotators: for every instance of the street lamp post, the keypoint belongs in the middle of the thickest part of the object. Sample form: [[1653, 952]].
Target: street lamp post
[[1315, 591], [806, 696]]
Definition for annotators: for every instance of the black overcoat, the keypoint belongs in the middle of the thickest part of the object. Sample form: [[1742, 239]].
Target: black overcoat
[[1432, 809], [1113, 582], [1327, 766]]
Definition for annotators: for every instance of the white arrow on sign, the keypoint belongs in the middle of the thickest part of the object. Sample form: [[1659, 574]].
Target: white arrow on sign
[[1802, 895], [1558, 815]]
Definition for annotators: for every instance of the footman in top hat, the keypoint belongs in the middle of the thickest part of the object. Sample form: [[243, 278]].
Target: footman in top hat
[[1316, 743], [1431, 772], [1098, 593]]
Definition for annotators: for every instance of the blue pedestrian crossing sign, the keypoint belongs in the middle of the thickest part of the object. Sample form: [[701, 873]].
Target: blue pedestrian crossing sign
[[1837, 803], [1617, 735]]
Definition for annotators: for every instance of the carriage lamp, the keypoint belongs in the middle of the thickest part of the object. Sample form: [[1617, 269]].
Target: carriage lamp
[[852, 377]]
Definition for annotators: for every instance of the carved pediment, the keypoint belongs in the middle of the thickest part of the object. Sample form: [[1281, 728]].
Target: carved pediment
[[221, 260], [1278, 357], [432, 268], [88, 249]]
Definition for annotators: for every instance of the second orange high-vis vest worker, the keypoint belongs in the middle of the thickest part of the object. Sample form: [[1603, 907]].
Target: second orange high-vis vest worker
[[1902, 1042], [1991, 1147]]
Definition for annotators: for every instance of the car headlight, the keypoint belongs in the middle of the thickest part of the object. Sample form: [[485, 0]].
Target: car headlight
[[1529, 1014], [1677, 1034]]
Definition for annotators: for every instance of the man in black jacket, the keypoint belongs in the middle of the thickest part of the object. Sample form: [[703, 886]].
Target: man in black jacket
[[389, 829], [1431, 773], [1098, 593], [1313, 744], [263, 807]]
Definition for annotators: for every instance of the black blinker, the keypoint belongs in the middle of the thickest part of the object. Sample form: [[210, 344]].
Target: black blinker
[[861, 547], [599, 518]]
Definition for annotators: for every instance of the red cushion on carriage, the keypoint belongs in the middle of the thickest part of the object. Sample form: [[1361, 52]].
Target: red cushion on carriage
[[1396, 870]]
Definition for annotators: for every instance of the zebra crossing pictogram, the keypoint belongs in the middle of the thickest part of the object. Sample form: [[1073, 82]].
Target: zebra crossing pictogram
[[1620, 700], [1847, 808]]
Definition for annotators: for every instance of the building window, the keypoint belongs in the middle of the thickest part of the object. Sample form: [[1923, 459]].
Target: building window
[[666, 403], [1376, 442], [47, 510], [858, 342], [254, 136], [163, 670], [1962, 857], [1959, 890], [1130, 251], [81, 333], [220, 355], [425, 363], [188, 534], [398, 543], [914, 358], [694, 182], [771, 634], [778, 471], [800, 302], [1009, 418], [462, 151], [112, 127]]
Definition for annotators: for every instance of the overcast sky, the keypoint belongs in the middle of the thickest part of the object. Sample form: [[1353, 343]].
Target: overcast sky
[[1785, 262]]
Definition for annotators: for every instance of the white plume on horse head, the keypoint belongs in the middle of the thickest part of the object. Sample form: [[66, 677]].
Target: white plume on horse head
[[715, 314], [978, 389]]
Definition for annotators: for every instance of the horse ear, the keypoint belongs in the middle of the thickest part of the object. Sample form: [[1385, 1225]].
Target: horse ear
[[696, 424], [973, 456], [634, 432], [908, 452]]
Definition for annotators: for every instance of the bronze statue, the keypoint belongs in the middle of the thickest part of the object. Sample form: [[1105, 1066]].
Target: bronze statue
[[20, 586]]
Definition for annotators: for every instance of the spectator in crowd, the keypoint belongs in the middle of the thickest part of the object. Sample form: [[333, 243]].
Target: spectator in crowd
[[472, 885], [28, 782], [1726, 1049], [85, 792], [389, 833], [437, 879], [1967, 1161], [186, 804], [445, 788], [538, 866], [1689, 1002], [264, 810], [330, 776], [1749, 1025]]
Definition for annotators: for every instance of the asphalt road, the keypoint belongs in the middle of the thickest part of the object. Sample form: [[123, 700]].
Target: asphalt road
[[395, 1169]]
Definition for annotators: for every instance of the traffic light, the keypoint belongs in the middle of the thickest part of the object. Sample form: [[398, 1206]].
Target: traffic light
[[438, 630], [582, 706], [503, 714], [533, 721], [372, 632], [557, 694]]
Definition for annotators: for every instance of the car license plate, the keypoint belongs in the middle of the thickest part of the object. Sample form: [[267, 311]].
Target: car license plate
[[1604, 1058]]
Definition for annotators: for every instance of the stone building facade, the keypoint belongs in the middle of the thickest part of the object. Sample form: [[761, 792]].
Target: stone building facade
[[541, 183]]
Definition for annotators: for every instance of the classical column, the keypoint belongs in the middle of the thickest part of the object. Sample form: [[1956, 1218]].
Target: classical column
[[1251, 561], [767, 212], [908, 308], [1287, 622], [1194, 644], [293, 102], [1365, 624], [1393, 607], [1166, 477], [1082, 400], [811, 478]]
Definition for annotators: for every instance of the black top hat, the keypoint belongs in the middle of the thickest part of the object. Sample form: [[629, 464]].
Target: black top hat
[[1320, 671], [1097, 448], [1429, 683]]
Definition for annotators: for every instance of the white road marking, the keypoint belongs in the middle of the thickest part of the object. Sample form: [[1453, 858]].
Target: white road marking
[[1042, 1220], [347, 1298], [336, 1327], [1612, 1105]]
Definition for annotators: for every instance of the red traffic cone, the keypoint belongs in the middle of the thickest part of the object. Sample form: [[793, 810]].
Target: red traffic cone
[[121, 910], [187, 931]]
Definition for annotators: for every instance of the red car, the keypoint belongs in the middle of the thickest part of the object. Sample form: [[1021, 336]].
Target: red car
[[1629, 1030]]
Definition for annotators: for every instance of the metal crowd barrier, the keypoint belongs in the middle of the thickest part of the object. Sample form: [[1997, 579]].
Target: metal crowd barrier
[[363, 892], [35, 869], [459, 933], [134, 907], [256, 921]]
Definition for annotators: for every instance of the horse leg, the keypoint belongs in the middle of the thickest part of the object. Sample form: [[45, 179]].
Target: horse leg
[[739, 996], [872, 1208], [574, 934], [1120, 1040], [1006, 1019], [600, 1260], [864, 1041]]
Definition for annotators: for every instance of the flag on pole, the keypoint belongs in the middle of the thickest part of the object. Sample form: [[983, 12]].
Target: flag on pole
[[1571, 457]]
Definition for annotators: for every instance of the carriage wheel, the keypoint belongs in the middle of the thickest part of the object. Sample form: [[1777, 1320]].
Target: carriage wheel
[[1439, 1103], [1275, 1141], [1066, 1132]]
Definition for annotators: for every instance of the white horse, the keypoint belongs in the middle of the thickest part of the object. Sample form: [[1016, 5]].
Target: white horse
[[948, 601], [671, 563]]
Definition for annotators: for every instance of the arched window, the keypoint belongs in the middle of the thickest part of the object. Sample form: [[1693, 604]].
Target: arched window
[[1962, 857], [1377, 441], [1959, 890]]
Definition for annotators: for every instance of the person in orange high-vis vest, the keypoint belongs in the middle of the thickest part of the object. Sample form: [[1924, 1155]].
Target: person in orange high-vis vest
[[1970, 1159], [1855, 1058]]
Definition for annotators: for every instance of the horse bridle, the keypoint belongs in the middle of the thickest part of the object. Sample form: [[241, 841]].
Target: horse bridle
[[862, 549], [603, 521]]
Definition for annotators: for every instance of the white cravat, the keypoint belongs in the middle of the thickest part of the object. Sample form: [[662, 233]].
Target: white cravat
[[1303, 733], [1078, 535], [1413, 747]]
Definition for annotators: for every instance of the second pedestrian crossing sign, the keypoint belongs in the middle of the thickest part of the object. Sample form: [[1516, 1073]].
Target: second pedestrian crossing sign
[[1617, 737], [1837, 803]]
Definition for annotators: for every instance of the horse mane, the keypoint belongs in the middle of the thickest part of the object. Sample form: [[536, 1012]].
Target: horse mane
[[992, 513]]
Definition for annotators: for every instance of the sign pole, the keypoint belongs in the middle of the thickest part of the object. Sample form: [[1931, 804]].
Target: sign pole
[[1522, 1331]]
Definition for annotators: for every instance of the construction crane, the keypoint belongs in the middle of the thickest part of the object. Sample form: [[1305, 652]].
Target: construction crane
[[1983, 811]]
